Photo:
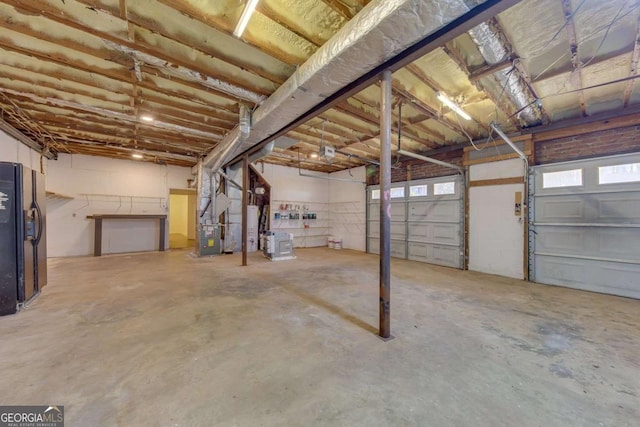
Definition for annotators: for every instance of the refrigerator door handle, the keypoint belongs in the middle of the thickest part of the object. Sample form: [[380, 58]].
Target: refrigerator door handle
[[39, 235]]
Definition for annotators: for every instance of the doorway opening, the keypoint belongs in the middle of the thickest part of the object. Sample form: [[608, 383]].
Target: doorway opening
[[182, 218]]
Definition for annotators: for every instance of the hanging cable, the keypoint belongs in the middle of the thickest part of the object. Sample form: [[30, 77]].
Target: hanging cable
[[397, 162]]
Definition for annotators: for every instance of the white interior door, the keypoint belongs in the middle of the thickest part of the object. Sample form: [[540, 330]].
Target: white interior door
[[496, 233]]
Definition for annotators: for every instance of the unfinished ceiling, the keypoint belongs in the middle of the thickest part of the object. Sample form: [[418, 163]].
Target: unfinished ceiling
[[164, 78]]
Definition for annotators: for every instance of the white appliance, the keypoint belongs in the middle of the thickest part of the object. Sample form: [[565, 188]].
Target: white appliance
[[278, 245]]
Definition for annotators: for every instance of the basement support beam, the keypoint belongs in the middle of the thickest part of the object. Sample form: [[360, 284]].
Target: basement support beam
[[385, 205], [245, 201]]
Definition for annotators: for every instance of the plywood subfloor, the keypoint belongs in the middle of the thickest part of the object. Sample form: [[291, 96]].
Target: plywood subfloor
[[166, 339]]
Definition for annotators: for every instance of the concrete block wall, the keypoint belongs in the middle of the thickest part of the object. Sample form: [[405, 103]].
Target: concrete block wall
[[16, 152], [100, 185]]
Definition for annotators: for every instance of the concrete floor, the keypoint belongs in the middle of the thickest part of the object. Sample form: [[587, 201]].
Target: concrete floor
[[180, 241], [163, 339]]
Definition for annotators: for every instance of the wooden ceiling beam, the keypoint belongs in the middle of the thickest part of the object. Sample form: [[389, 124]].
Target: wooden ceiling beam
[[505, 104], [633, 71], [340, 8], [65, 71], [425, 108], [58, 15], [39, 111], [95, 135], [122, 77], [288, 24], [189, 9], [520, 69]]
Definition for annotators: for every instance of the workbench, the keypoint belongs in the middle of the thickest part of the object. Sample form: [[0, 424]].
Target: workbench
[[97, 244]]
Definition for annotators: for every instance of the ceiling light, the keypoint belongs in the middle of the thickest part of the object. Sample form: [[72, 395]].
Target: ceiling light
[[137, 156], [313, 155], [455, 107], [147, 118], [244, 18]]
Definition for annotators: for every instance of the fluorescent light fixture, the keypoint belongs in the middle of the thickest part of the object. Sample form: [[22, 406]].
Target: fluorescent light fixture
[[455, 107], [244, 18], [137, 156], [147, 118]]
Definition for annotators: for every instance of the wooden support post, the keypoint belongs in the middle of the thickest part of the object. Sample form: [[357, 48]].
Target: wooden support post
[[245, 202]]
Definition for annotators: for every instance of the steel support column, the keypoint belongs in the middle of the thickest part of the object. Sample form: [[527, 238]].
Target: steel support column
[[385, 205], [245, 202]]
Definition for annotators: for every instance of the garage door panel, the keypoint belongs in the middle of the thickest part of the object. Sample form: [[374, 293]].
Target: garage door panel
[[588, 236], [616, 243], [597, 276], [434, 233], [397, 211], [398, 230], [434, 254], [430, 222], [398, 248], [618, 209], [551, 239], [604, 208], [443, 210], [557, 210]]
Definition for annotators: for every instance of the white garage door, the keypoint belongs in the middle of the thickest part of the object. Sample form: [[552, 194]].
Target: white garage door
[[426, 224], [586, 225]]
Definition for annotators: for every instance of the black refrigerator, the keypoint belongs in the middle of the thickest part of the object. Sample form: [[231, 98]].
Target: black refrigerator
[[23, 245]]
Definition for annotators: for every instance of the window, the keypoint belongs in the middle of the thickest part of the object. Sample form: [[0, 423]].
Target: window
[[375, 194], [442, 188], [571, 178], [619, 173], [397, 193], [418, 190]]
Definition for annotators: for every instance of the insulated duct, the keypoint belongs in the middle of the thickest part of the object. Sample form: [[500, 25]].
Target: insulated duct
[[379, 32], [494, 51], [224, 150], [204, 191]]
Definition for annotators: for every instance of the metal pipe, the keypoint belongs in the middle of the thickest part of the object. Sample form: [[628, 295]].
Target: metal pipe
[[214, 207], [329, 178], [506, 139], [245, 194], [232, 182], [385, 205], [431, 160], [364, 159]]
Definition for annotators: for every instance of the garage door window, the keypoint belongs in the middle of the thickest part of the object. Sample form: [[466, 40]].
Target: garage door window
[[397, 193], [442, 188], [619, 174], [418, 190], [570, 178], [375, 194]]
